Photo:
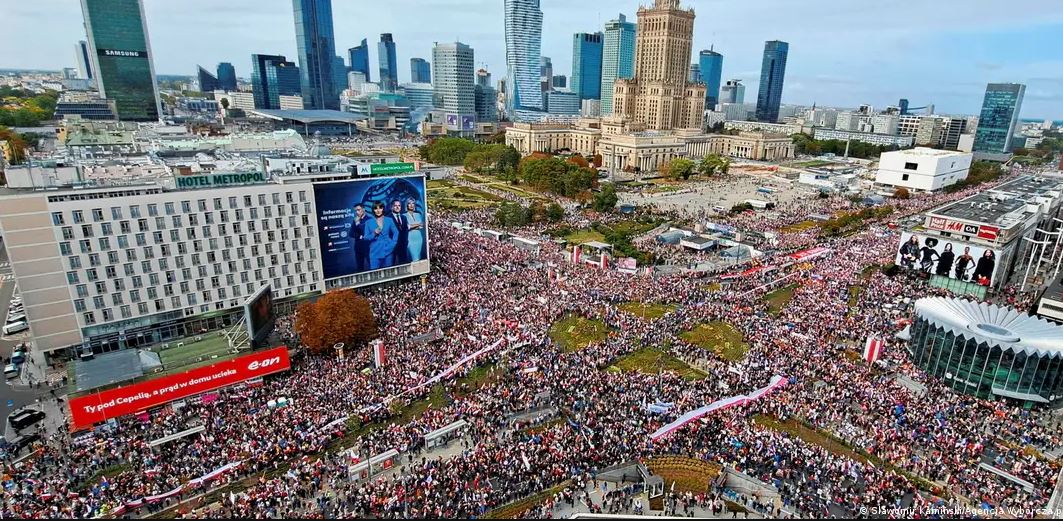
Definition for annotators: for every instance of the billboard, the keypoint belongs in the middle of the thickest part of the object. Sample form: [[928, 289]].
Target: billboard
[[370, 225], [947, 258], [988, 233], [258, 315], [101, 406]]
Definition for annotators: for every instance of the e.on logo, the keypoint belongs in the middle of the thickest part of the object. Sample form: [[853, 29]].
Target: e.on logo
[[262, 364]]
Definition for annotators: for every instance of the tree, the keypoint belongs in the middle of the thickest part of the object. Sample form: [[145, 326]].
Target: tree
[[513, 214], [17, 144], [447, 150], [597, 161], [554, 212], [902, 193], [579, 161], [605, 200], [338, 316], [713, 164], [225, 103], [680, 168]]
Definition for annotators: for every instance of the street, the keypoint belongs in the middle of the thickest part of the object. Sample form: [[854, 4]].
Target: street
[[10, 399]]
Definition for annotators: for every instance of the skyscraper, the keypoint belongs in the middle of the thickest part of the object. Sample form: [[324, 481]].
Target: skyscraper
[[389, 68], [271, 77], [999, 117], [733, 92], [121, 57], [710, 64], [587, 65], [359, 57], [546, 73], [559, 81], [524, 31], [83, 60], [316, 45], [695, 73], [659, 96], [618, 58], [420, 71], [207, 81], [226, 76], [455, 90], [772, 71], [486, 97]]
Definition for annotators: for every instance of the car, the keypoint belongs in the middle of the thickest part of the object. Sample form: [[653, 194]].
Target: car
[[10, 371], [15, 317], [24, 441], [18, 357], [17, 327], [25, 418]]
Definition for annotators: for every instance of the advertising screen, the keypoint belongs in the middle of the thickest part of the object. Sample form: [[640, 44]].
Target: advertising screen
[[97, 407], [373, 225], [258, 313], [947, 258]]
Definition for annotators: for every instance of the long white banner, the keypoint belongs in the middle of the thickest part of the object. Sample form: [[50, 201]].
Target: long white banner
[[725, 403]]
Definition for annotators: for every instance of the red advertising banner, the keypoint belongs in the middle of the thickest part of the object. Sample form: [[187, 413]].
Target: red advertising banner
[[982, 232], [113, 403]]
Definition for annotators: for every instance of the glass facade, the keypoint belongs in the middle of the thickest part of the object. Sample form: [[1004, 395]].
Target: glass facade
[[316, 45], [207, 81], [271, 77], [973, 366], [227, 76], [359, 58], [524, 32], [710, 67], [587, 65], [999, 118], [389, 67], [121, 57], [772, 72], [420, 71], [618, 58]]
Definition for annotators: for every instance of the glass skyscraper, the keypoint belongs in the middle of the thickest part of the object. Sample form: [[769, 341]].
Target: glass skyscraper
[[999, 117], [587, 65], [316, 44], [772, 71], [359, 57], [84, 62], [389, 67], [420, 71], [710, 67], [524, 32], [227, 76], [618, 58], [121, 57], [271, 77], [207, 81]]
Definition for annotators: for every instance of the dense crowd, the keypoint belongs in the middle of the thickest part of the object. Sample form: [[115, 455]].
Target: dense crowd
[[492, 298]]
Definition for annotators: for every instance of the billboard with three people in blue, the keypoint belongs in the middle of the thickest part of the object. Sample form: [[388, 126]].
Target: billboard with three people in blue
[[366, 225]]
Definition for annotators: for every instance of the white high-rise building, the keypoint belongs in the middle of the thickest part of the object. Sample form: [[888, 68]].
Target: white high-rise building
[[355, 81], [453, 75], [524, 28]]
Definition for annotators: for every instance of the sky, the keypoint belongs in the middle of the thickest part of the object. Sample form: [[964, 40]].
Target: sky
[[842, 52]]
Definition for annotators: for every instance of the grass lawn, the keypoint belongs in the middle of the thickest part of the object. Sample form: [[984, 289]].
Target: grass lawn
[[573, 333], [854, 295], [720, 338], [460, 197], [645, 361], [212, 344], [866, 273], [506, 187], [439, 183], [799, 226], [648, 312], [631, 227], [582, 236], [778, 299]]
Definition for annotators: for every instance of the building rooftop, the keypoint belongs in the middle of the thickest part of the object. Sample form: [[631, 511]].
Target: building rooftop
[[928, 152], [1005, 205], [1006, 328], [309, 116]]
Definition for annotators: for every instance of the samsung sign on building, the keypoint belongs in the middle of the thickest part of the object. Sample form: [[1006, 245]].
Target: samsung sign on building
[[224, 179], [122, 53]]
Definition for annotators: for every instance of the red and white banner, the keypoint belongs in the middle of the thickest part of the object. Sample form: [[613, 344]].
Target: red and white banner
[[577, 252], [725, 403], [806, 255], [114, 403], [380, 355], [604, 262], [873, 349], [982, 232]]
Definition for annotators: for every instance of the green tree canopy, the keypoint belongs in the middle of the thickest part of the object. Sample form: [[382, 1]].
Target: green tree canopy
[[605, 200]]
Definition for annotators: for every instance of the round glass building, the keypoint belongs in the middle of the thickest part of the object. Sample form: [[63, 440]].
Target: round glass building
[[986, 350]]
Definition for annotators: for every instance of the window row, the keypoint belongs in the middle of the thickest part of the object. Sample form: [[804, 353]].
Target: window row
[[170, 208]]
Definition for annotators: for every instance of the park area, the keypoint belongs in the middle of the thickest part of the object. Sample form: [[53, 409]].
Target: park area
[[720, 338], [446, 194], [574, 332], [647, 311], [778, 299], [498, 184], [647, 360]]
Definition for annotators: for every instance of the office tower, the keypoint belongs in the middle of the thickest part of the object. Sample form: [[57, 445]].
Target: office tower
[[695, 73], [524, 31], [272, 77], [83, 60], [420, 71], [226, 76], [359, 57], [733, 92], [486, 97], [711, 64], [587, 65], [618, 58], [559, 81], [389, 68], [562, 103], [454, 85], [121, 57], [772, 71], [546, 73], [659, 96], [316, 44], [999, 117], [207, 81], [355, 80]]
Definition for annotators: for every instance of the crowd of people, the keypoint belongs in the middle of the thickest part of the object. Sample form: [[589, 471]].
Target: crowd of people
[[916, 447]]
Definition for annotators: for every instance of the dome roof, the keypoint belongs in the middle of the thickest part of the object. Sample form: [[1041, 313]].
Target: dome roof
[[1006, 328]]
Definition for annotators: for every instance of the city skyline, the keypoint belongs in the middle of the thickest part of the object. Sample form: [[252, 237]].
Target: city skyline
[[881, 61]]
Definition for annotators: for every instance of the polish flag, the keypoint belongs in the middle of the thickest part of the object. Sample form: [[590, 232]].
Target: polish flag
[[603, 262], [576, 252], [873, 349], [379, 354]]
